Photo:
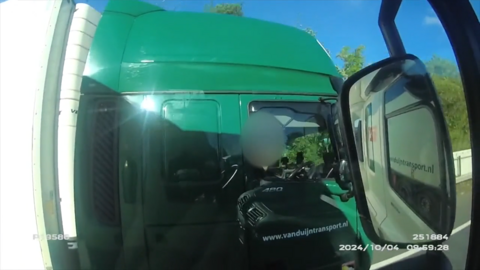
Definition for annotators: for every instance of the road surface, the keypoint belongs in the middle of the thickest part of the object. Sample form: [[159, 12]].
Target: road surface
[[458, 242]]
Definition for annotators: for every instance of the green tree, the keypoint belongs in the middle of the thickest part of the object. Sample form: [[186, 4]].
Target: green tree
[[353, 61], [226, 8], [447, 81], [311, 145], [442, 67], [450, 91]]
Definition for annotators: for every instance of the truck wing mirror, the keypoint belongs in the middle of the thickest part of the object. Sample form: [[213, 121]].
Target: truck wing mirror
[[405, 186]]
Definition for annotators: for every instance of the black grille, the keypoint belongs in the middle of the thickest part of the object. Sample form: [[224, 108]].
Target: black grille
[[105, 163], [254, 215], [242, 200]]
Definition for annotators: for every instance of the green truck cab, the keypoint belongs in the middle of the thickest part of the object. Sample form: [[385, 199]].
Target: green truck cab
[[158, 165]]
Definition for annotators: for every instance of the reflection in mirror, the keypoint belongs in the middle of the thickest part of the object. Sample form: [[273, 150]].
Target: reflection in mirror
[[357, 132], [344, 171], [397, 124]]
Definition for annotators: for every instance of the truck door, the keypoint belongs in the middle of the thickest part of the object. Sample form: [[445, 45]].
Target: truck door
[[189, 205], [159, 180]]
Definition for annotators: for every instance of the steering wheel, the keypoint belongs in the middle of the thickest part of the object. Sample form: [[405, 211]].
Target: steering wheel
[[313, 173], [298, 172], [233, 167]]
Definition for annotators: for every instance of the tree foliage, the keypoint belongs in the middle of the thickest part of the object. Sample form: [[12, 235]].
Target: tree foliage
[[442, 67], [226, 8], [452, 98], [312, 146], [353, 61], [447, 81]]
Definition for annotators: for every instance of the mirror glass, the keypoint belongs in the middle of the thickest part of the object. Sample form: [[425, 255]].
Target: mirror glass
[[400, 137]]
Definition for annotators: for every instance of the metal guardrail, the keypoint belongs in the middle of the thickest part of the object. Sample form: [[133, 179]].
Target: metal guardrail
[[463, 165]]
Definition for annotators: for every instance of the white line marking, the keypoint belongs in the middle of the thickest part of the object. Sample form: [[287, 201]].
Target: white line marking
[[411, 252], [461, 227]]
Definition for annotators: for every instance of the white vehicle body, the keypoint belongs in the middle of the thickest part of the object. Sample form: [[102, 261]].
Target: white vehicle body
[[43, 49], [392, 216]]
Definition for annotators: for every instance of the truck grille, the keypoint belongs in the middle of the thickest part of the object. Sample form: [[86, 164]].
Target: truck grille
[[254, 215], [242, 200]]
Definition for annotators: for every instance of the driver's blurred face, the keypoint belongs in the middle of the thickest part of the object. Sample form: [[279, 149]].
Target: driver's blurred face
[[262, 139]]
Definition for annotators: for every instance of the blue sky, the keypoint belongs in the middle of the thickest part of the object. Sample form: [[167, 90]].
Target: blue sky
[[341, 23]]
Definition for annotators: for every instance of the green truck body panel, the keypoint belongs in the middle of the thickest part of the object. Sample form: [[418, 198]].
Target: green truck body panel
[[159, 50], [200, 71]]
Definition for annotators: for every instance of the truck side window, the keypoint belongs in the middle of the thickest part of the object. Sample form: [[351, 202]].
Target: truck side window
[[303, 133], [185, 162], [370, 137], [187, 148]]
